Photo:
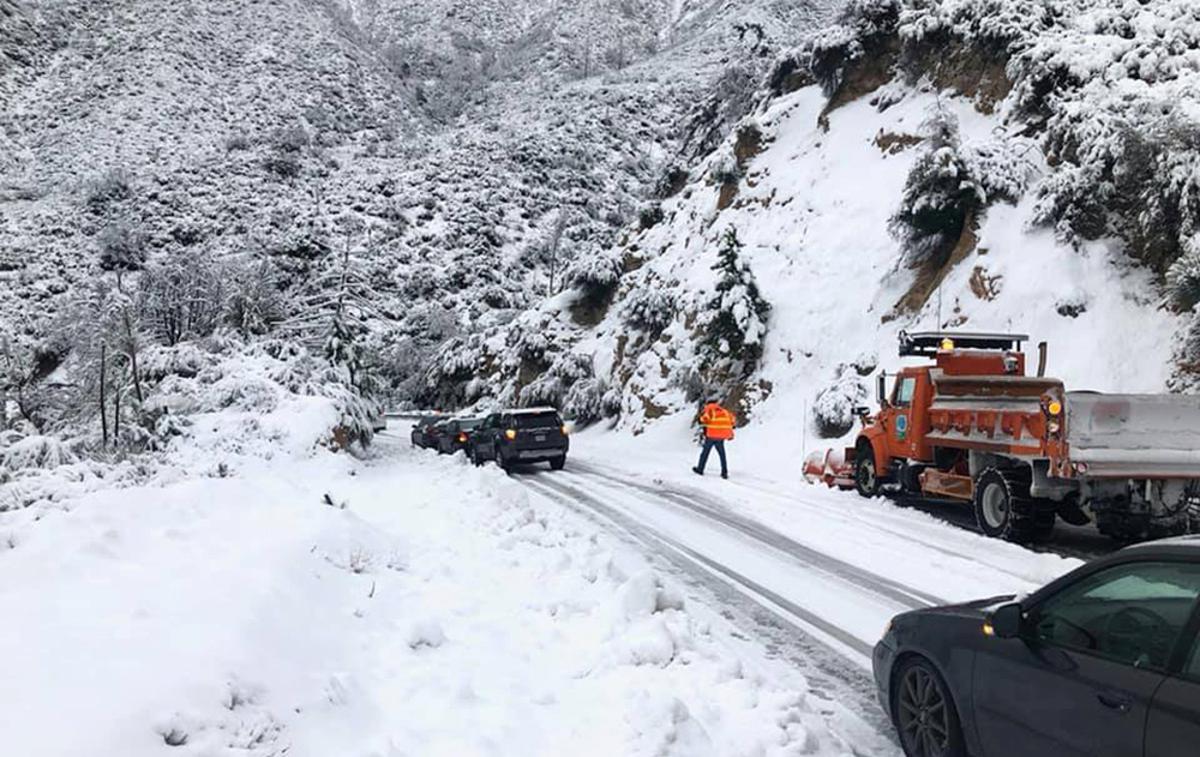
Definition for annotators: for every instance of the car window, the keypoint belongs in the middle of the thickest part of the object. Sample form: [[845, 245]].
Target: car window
[[1192, 669], [1132, 613], [470, 425], [905, 390], [537, 420]]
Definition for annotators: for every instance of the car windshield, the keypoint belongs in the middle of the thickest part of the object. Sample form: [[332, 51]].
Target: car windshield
[[537, 420], [470, 425]]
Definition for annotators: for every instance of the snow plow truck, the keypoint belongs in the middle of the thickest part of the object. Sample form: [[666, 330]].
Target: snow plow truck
[[972, 429]]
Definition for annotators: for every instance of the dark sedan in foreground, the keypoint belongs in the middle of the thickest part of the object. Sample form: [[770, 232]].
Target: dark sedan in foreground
[[1103, 662]]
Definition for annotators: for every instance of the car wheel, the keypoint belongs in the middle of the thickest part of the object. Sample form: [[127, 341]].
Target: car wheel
[[924, 712], [558, 463], [505, 464], [866, 477]]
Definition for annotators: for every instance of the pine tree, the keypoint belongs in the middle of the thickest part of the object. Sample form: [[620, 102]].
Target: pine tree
[[736, 320]]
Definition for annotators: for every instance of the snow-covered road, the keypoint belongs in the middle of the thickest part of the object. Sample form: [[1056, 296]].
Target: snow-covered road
[[814, 574], [316, 604]]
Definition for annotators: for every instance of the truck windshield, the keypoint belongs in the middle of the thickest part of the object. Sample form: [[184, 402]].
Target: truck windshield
[[538, 420]]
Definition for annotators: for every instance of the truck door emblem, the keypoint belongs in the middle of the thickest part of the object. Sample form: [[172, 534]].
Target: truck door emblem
[[901, 427]]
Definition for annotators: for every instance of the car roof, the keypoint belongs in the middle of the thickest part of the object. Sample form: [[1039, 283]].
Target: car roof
[[1188, 545], [530, 411]]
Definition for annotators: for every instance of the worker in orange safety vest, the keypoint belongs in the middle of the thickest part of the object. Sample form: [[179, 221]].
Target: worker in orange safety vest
[[718, 429]]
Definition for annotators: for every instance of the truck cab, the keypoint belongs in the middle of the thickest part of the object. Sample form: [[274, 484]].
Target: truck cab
[[895, 440]]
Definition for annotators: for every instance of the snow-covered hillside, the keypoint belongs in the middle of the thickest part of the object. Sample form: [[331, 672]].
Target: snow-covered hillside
[[912, 167], [445, 164]]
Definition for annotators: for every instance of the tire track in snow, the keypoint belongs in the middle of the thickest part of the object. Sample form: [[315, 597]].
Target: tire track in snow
[[941, 515], [830, 674], [714, 510]]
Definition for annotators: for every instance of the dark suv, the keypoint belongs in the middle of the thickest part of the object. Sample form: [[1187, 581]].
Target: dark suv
[[1103, 662], [423, 432], [454, 435], [513, 437]]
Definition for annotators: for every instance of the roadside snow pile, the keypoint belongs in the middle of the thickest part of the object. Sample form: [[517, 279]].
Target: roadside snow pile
[[209, 408], [441, 612]]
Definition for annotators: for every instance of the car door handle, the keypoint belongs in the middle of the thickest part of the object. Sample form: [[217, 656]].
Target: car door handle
[[1114, 700]]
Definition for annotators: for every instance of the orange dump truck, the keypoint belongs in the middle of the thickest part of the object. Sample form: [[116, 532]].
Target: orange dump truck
[[972, 428]]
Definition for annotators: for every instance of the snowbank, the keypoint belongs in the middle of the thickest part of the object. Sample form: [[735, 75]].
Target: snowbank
[[405, 605]]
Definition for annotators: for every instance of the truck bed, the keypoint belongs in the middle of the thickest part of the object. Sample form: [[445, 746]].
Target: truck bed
[[1134, 435]]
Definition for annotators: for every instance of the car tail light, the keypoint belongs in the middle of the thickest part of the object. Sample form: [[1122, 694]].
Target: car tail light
[[565, 430], [510, 434], [462, 437]]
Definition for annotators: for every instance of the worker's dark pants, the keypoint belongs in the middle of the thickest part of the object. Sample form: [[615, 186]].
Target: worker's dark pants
[[708, 447]]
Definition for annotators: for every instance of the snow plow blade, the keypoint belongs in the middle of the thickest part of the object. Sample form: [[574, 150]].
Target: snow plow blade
[[830, 467], [1134, 436]]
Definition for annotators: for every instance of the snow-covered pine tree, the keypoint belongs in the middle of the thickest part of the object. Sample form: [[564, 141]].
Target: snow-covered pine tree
[[1183, 278], [951, 183], [735, 317]]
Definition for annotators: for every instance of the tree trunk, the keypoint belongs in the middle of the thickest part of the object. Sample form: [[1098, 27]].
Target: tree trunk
[[116, 416], [103, 391]]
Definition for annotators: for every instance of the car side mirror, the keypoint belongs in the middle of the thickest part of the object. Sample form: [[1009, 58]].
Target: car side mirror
[[1006, 621]]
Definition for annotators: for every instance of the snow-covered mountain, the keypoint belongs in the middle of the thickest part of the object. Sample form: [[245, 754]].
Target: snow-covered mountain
[[434, 147]]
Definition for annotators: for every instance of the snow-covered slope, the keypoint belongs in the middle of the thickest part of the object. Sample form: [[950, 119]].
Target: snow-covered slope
[[827, 188]]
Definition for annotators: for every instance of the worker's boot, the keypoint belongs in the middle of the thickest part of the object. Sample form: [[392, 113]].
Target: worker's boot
[[697, 471], [724, 474]]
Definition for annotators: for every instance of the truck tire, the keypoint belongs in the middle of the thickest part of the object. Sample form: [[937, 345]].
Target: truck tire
[[1004, 509], [866, 477]]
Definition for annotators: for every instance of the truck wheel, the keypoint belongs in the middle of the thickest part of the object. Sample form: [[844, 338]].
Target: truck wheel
[[1003, 508], [866, 478]]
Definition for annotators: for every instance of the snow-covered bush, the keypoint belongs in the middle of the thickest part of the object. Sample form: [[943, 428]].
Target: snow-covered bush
[[1005, 25], [724, 168], [862, 31], [833, 406], [111, 187], [734, 319], [254, 304], [596, 275], [36, 452], [182, 296], [650, 309], [650, 214], [121, 247], [590, 400]]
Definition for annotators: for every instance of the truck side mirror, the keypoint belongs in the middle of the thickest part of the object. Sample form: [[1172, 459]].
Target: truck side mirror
[[1006, 621], [881, 389]]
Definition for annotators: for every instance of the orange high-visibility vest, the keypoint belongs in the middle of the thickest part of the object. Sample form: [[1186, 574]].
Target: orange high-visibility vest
[[717, 421]]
